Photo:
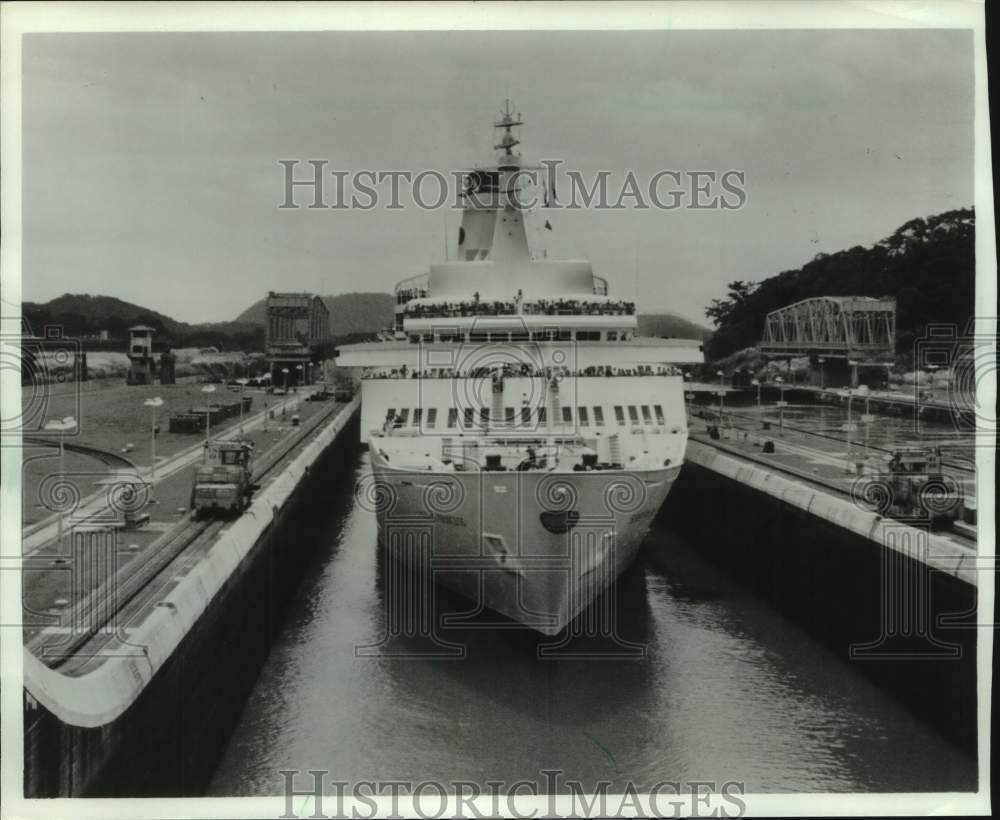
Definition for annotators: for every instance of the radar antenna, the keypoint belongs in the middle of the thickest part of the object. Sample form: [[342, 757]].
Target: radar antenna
[[508, 120]]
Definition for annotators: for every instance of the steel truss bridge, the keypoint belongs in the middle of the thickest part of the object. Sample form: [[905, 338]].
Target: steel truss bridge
[[859, 329]]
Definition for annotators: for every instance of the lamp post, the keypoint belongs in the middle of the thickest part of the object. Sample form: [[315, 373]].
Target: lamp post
[[722, 396], [152, 403], [822, 379], [62, 427], [265, 404], [285, 371], [298, 378], [930, 368], [756, 383], [781, 404], [849, 427], [867, 418], [208, 388], [243, 386]]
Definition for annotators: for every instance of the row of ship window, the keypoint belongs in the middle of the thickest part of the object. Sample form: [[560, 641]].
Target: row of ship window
[[584, 416], [545, 335]]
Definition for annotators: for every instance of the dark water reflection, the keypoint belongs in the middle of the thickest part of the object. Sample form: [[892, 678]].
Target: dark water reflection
[[727, 690]]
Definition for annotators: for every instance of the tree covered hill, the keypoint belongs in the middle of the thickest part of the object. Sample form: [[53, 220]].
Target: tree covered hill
[[84, 315], [928, 265], [353, 316], [81, 314], [667, 325]]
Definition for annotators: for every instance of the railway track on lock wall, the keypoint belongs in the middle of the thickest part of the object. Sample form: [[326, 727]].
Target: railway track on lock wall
[[126, 587], [814, 480], [841, 440], [115, 463]]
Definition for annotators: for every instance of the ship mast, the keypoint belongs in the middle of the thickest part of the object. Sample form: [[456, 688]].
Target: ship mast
[[510, 243], [508, 121], [492, 222]]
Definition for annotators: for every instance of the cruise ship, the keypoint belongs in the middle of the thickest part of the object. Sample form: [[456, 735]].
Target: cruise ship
[[522, 435]]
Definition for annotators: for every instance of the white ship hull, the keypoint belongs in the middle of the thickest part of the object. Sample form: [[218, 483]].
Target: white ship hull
[[537, 548], [522, 434]]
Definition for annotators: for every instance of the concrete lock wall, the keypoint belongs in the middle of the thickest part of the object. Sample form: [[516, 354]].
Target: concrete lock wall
[[156, 726], [821, 561], [840, 573]]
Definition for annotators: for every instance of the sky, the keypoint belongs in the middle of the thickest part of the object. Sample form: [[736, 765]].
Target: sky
[[151, 160]]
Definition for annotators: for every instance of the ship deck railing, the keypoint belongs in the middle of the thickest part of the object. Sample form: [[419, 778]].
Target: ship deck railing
[[552, 435], [486, 438], [593, 371]]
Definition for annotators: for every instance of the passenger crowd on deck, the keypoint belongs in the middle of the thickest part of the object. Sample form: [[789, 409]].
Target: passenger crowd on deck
[[406, 294], [507, 307], [583, 307], [452, 309]]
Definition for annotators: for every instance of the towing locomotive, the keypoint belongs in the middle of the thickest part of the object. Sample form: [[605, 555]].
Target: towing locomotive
[[920, 488], [223, 481]]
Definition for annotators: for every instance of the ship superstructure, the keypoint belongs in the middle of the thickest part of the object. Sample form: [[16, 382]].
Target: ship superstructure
[[522, 435]]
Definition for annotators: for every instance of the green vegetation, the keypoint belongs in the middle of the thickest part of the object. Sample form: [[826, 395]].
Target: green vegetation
[[928, 265], [353, 317], [81, 316]]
